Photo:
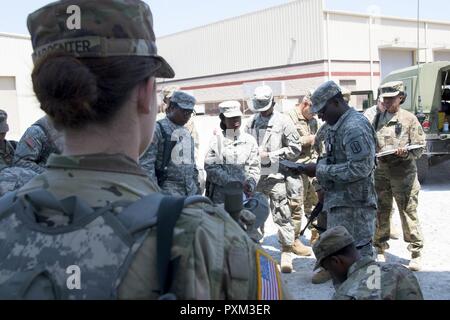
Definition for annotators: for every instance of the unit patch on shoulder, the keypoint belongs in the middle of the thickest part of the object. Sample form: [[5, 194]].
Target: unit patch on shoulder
[[269, 279]]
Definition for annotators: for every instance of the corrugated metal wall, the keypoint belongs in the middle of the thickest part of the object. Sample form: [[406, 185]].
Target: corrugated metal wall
[[287, 34]]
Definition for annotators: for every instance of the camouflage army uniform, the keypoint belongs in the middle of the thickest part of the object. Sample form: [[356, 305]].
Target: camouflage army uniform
[[277, 136], [305, 129], [37, 143], [182, 173], [216, 258], [397, 177], [346, 176], [13, 178], [231, 158], [6, 154], [396, 282]]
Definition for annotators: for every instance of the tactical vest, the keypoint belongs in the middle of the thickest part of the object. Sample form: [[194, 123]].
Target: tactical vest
[[88, 258]]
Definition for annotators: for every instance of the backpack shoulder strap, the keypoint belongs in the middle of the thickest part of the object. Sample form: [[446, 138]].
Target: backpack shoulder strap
[[169, 211]]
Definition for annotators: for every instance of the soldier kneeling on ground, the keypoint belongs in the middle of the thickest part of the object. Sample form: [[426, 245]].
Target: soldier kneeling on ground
[[361, 278]]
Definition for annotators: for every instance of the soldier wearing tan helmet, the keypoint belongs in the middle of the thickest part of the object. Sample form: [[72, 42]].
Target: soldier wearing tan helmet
[[277, 139], [396, 174]]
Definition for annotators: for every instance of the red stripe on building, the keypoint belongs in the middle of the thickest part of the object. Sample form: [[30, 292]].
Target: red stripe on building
[[281, 78]]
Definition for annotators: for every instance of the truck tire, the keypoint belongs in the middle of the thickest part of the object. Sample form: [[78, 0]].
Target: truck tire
[[422, 168]]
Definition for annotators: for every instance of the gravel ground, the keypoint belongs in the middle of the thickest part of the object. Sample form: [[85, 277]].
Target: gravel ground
[[434, 213]]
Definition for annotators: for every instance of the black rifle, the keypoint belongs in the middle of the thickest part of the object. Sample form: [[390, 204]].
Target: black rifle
[[313, 216]]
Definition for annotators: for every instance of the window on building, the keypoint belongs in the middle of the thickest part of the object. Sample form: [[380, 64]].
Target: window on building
[[349, 84], [7, 83]]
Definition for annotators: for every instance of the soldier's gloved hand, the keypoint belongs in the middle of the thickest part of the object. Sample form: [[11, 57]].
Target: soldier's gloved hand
[[402, 152], [246, 219]]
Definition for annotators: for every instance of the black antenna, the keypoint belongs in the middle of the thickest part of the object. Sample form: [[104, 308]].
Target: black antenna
[[420, 109]]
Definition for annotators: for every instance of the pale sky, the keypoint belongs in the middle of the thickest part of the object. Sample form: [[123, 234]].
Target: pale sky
[[177, 15]]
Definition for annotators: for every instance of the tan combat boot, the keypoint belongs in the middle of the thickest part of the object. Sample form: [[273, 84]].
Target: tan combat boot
[[300, 249], [321, 277], [286, 259], [416, 262], [314, 236]]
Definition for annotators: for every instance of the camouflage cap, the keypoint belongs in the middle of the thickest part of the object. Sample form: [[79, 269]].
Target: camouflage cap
[[4, 128], [230, 109], [391, 89], [106, 29], [330, 242], [183, 100], [262, 99], [322, 94]]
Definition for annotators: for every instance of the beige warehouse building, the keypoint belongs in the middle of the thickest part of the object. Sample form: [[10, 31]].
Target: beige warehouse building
[[296, 47], [293, 47]]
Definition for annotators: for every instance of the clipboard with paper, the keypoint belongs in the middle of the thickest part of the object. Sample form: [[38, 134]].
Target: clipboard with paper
[[393, 151]]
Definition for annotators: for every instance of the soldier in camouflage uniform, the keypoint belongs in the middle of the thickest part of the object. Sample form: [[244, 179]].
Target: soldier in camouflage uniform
[[177, 175], [6, 147], [346, 174], [166, 95], [361, 278], [277, 139], [370, 114], [232, 155], [114, 249], [11, 177], [306, 126], [36, 145], [396, 175]]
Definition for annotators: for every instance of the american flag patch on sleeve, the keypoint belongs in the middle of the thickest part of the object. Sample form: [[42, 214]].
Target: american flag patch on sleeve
[[269, 281]]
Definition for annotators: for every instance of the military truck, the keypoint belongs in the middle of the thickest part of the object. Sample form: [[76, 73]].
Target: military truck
[[428, 90]]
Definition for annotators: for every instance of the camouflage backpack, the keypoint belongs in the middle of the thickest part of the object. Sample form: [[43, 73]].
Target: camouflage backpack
[[39, 262]]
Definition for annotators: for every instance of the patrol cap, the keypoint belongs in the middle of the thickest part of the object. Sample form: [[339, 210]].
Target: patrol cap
[[106, 29], [262, 99], [391, 89], [322, 94], [331, 241], [4, 128], [230, 109], [183, 100]]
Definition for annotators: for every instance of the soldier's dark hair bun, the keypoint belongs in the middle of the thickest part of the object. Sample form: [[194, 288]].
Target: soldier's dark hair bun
[[66, 89], [75, 92]]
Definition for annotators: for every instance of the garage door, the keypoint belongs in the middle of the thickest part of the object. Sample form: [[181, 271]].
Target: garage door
[[442, 56], [395, 59]]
